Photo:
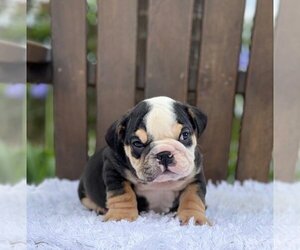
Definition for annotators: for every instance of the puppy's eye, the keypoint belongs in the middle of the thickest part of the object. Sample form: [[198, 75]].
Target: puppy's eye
[[137, 144], [184, 135]]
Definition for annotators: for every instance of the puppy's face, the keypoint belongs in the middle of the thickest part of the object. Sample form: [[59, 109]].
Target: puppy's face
[[158, 138]]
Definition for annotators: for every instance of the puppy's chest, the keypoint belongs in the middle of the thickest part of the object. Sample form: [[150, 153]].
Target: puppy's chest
[[160, 197]]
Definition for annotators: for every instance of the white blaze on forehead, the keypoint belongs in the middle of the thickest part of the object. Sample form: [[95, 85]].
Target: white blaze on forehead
[[161, 117]]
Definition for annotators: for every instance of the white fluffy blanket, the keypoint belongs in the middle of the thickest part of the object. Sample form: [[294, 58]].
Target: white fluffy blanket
[[243, 216]]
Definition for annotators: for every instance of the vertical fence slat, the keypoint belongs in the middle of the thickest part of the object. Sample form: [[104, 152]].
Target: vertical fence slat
[[220, 46], [256, 137], [286, 91], [169, 29], [69, 79], [117, 28]]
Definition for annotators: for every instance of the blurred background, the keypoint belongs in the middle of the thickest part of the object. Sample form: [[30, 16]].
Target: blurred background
[[40, 150], [13, 123], [12, 95], [39, 97], [40, 147]]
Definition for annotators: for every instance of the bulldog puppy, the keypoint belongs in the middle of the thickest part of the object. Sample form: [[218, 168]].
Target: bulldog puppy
[[152, 162]]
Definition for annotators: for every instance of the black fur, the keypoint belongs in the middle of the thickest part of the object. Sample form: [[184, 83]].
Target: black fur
[[192, 116], [143, 205]]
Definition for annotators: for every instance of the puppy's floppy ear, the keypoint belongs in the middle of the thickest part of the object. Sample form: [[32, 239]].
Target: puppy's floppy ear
[[115, 134], [199, 119]]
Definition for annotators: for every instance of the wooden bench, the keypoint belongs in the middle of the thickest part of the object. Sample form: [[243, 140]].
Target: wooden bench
[[188, 50]]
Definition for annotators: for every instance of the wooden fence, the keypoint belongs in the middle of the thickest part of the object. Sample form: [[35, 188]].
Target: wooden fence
[[188, 50]]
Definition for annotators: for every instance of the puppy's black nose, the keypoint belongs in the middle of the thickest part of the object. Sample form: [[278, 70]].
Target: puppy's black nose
[[165, 158]]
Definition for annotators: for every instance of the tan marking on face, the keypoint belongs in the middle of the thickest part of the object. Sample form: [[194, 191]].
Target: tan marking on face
[[142, 134], [177, 130], [88, 203], [136, 163], [194, 139], [191, 205], [122, 207]]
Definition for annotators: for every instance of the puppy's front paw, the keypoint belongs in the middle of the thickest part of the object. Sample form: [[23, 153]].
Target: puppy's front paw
[[191, 205], [122, 207], [199, 217], [116, 214]]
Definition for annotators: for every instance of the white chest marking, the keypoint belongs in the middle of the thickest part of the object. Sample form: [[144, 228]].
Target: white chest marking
[[159, 201], [160, 196]]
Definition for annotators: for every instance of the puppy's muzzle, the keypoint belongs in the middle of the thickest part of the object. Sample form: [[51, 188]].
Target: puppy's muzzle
[[165, 158]]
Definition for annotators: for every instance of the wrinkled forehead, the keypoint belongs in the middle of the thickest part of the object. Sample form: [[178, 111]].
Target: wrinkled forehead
[[161, 121], [156, 119]]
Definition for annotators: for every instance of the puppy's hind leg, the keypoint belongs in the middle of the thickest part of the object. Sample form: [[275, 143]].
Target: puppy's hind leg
[[87, 202]]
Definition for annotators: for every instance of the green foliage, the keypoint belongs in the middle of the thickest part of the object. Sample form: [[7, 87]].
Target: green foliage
[[38, 22], [40, 32], [40, 163], [12, 163], [12, 26], [233, 153], [14, 33], [12, 151], [40, 148]]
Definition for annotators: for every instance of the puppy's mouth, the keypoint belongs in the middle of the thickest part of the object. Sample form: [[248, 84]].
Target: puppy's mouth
[[167, 175], [163, 176]]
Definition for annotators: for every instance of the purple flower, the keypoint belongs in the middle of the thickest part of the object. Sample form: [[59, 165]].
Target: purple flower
[[244, 59], [39, 91], [15, 90]]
